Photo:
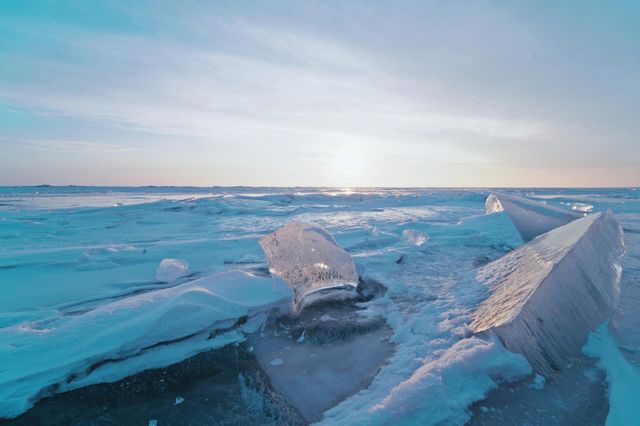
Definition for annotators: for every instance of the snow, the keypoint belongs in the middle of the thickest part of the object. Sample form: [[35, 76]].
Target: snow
[[440, 391], [623, 377], [538, 382], [531, 218], [276, 362], [170, 270], [133, 334], [309, 259], [550, 293]]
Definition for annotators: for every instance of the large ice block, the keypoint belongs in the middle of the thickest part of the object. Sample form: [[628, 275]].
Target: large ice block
[[531, 218], [310, 260], [550, 293]]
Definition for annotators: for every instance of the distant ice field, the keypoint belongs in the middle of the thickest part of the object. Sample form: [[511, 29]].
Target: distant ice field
[[68, 251]]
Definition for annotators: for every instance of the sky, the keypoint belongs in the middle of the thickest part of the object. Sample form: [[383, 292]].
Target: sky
[[310, 93]]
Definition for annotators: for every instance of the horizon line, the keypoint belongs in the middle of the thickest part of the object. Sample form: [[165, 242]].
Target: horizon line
[[319, 187]]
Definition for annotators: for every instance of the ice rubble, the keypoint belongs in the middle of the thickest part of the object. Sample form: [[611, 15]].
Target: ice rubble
[[581, 207], [310, 260], [531, 218], [414, 237], [550, 293], [130, 335], [170, 270]]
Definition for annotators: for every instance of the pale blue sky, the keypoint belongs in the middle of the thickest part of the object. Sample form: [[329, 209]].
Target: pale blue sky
[[311, 93]]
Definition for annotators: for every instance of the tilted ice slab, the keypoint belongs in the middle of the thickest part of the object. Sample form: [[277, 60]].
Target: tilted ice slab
[[116, 340], [531, 218], [310, 260], [550, 293]]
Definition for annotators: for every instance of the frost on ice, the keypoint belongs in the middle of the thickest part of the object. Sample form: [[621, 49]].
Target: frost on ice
[[133, 334], [310, 260], [531, 218], [170, 270], [550, 293]]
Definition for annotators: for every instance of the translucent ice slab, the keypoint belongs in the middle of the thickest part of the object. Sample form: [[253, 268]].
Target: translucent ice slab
[[308, 258]]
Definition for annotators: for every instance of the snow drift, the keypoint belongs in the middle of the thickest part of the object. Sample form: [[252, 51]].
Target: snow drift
[[531, 218], [440, 391], [137, 333], [310, 260], [550, 293]]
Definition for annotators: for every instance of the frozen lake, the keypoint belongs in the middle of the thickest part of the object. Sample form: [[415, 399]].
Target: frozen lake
[[70, 253]]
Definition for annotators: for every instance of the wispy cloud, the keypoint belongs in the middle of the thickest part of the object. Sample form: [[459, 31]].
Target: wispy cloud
[[299, 85], [75, 146]]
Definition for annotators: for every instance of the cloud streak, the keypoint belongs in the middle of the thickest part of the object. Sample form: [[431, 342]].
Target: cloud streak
[[57, 145]]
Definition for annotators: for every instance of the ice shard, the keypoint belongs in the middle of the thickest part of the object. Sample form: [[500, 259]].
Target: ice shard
[[547, 295], [310, 260], [531, 218]]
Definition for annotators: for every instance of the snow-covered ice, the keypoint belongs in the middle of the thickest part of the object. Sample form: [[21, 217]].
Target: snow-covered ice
[[79, 267], [129, 335], [547, 295]]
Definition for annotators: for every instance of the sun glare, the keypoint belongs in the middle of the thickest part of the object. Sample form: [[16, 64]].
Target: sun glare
[[349, 162]]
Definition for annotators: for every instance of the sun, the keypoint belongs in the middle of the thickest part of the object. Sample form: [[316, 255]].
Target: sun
[[348, 161]]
